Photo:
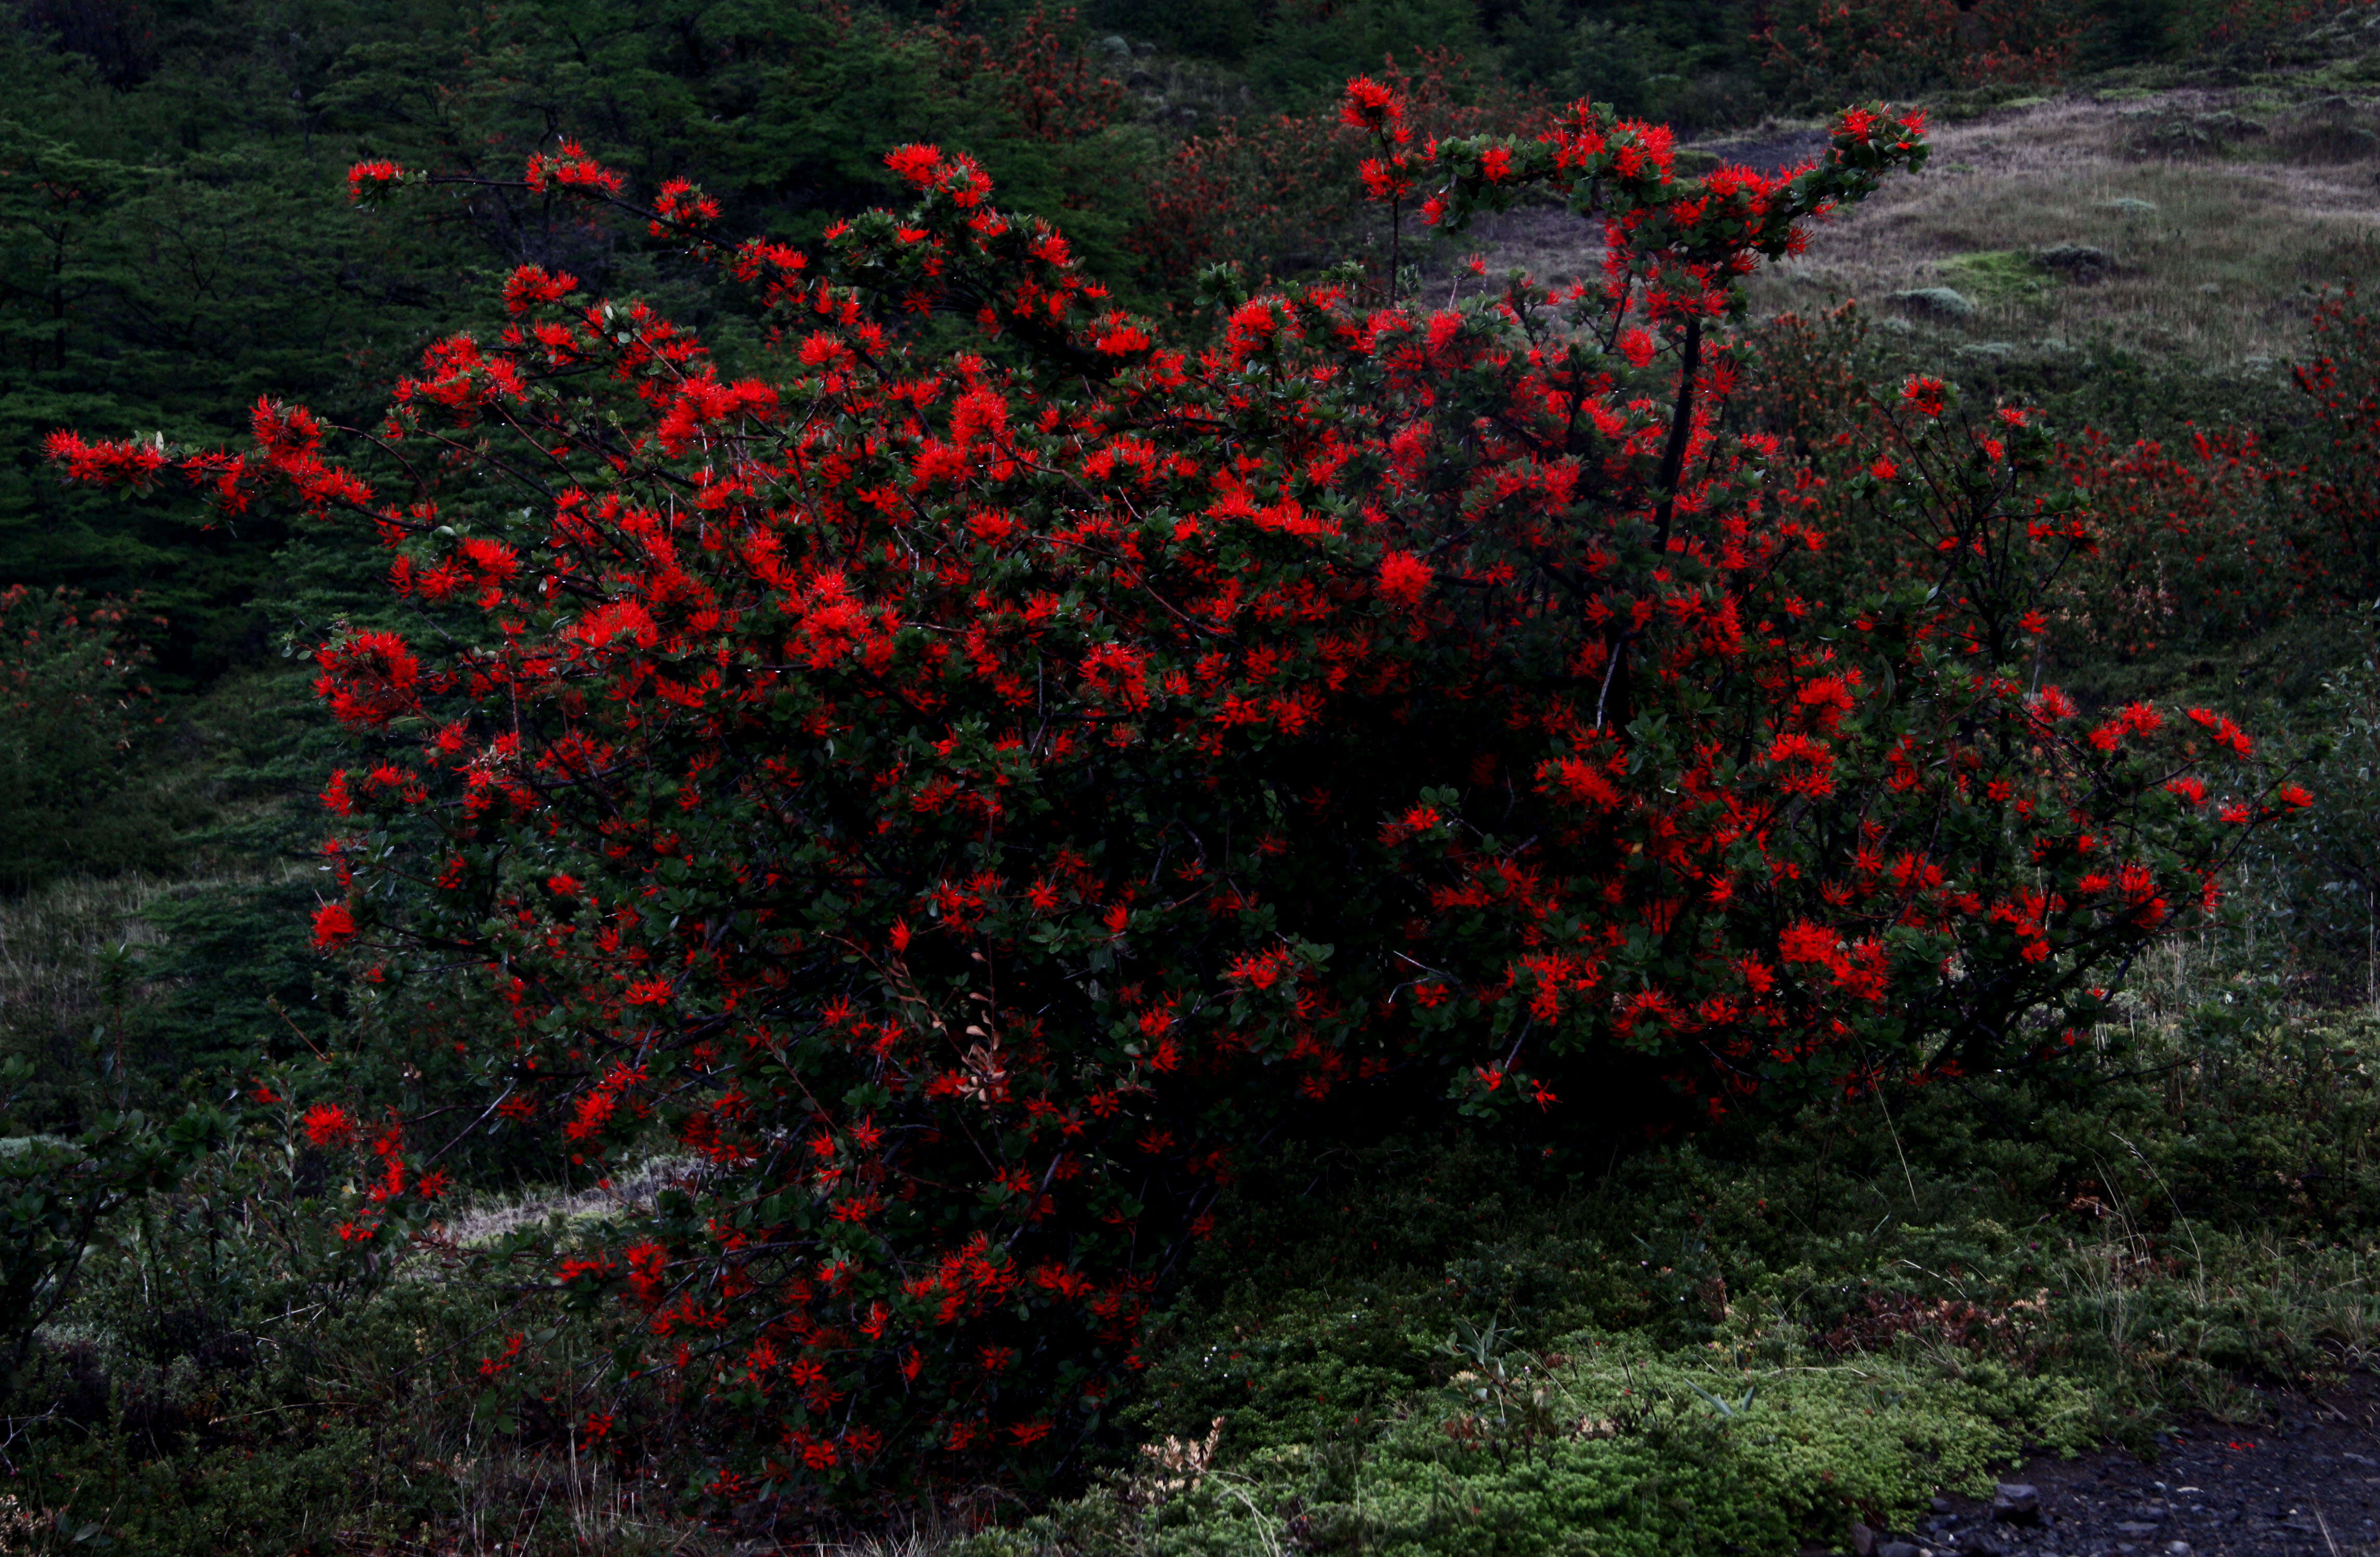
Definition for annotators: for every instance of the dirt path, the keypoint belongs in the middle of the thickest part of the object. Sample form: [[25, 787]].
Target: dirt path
[[2305, 1484]]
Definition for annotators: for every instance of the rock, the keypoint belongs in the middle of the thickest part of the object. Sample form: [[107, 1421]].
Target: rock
[[1984, 1541], [1939, 1505], [1943, 302], [2016, 1503], [1898, 1549], [2330, 140], [2135, 1529], [2173, 137], [2177, 1549], [1862, 1540], [2229, 126], [2082, 260]]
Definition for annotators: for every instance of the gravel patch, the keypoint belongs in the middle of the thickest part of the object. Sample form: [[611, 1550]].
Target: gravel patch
[[2303, 1483]]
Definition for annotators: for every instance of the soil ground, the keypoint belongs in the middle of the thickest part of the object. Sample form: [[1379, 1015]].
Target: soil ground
[[2305, 1483]]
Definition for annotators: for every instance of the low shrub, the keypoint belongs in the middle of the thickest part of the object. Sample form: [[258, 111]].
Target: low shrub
[[1282, 194], [1597, 1442], [72, 708], [1820, 50]]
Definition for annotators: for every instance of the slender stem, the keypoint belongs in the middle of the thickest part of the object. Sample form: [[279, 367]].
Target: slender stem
[[1681, 424]]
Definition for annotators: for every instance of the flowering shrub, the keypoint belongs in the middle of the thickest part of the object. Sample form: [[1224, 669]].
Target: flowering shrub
[[1832, 46], [2211, 538], [2201, 23], [2185, 543], [2226, 535], [71, 702], [962, 799], [1038, 74], [1266, 190], [2338, 537]]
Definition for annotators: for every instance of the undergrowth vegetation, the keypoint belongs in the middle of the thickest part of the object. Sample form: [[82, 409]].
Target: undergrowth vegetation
[[1760, 1336]]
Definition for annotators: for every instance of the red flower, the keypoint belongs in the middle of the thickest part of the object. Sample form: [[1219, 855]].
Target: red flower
[[333, 926], [127, 463], [1404, 578], [329, 1124], [1370, 105], [2227, 735], [1804, 942], [1925, 396], [370, 678], [571, 168], [369, 178], [917, 163], [531, 284]]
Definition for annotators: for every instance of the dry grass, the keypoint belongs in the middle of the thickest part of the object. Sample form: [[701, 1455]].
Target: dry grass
[[70, 963], [2214, 255], [561, 1504], [75, 950], [630, 1191], [54, 943], [2219, 269]]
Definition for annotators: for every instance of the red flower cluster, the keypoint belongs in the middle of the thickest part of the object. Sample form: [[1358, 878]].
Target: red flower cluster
[[1045, 81], [329, 1124], [1832, 47], [1267, 187], [367, 181], [569, 167], [128, 463]]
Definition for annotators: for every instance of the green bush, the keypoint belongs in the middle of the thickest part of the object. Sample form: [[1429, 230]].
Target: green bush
[[72, 708]]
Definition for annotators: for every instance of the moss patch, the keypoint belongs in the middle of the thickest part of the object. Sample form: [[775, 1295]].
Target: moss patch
[[1997, 274], [1598, 1443]]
